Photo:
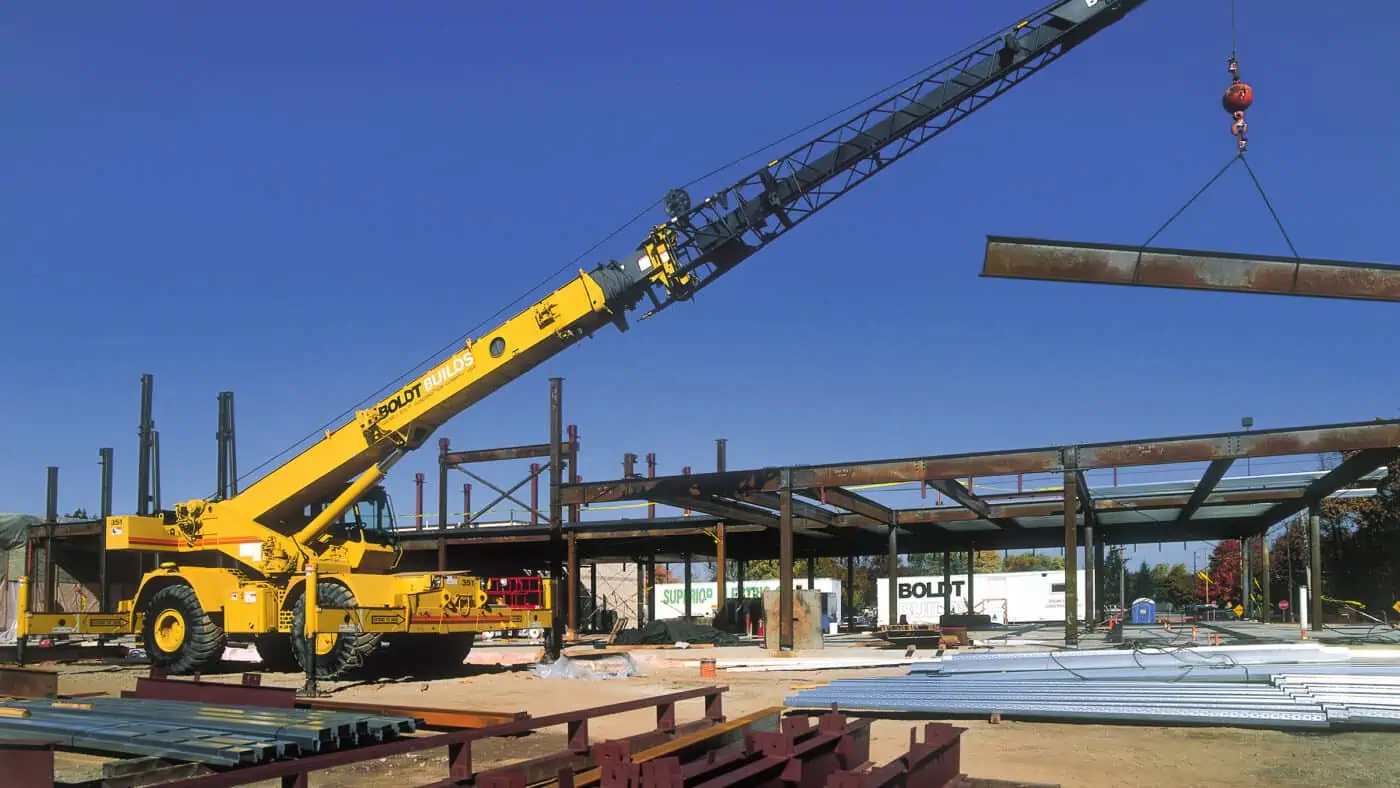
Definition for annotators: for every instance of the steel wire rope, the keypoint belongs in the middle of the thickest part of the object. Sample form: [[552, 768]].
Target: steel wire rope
[[942, 63]]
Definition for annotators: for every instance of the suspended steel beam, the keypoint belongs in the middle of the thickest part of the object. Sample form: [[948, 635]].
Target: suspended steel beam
[[1187, 269]]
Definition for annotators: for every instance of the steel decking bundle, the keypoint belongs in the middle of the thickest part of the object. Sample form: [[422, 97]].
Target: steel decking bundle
[[1306, 687], [216, 735]]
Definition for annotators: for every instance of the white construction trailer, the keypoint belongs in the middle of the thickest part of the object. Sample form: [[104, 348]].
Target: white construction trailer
[[1008, 597]]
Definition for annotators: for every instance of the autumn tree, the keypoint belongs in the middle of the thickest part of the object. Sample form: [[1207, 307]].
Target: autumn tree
[[1031, 562]]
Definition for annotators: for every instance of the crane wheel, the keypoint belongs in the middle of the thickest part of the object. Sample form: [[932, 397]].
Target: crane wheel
[[335, 653], [178, 635]]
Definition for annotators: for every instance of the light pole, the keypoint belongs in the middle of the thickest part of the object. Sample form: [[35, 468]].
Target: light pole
[[1247, 422]]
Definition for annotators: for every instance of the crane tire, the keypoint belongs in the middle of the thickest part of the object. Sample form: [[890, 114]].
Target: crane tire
[[347, 651], [178, 635]]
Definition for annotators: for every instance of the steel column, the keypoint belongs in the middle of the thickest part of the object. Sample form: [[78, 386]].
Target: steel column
[[721, 573], [811, 572], [947, 583], [574, 584], [593, 595], [556, 511], [686, 586], [892, 573], [1071, 502], [418, 480], [143, 459], [1246, 544], [534, 493], [50, 520], [105, 459], [785, 639], [443, 445], [1315, 584], [850, 593], [641, 591], [1265, 603], [1089, 577], [651, 589], [971, 573], [1099, 581]]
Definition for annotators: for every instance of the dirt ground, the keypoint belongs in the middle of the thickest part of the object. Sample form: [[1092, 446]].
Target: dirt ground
[[1064, 754]]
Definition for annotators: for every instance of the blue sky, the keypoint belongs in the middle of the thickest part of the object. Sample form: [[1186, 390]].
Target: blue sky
[[299, 206]]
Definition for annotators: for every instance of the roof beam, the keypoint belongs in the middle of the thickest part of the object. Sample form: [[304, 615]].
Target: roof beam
[[954, 489], [1086, 499], [1187, 269], [1214, 473], [1348, 472], [853, 502], [800, 509]]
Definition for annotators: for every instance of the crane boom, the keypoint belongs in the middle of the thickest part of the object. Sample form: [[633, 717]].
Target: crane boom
[[729, 226], [676, 259]]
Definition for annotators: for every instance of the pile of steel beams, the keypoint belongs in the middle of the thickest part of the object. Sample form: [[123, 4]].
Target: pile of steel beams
[[1306, 686], [214, 735]]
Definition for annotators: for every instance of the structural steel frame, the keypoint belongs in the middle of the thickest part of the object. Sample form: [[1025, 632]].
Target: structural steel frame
[[772, 499]]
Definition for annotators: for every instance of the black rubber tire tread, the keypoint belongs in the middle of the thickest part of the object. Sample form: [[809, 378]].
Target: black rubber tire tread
[[204, 640], [275, 650], [350, 651]]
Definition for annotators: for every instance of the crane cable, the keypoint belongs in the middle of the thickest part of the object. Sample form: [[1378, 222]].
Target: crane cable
[[942, 63], [1238, 97]]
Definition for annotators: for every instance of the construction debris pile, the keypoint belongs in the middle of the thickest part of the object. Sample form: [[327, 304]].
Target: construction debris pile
[[1261, 686], [215, 735]]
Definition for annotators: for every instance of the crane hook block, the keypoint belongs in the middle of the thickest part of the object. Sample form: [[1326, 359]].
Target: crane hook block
[[1238, 97]]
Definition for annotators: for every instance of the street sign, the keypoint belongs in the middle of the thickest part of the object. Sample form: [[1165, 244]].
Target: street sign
[[1239, 610], [1283, 604]]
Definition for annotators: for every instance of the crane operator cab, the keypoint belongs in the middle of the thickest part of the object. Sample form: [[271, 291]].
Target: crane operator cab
[[365, 528]]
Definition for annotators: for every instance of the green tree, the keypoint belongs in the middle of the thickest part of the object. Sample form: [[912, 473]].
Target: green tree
[[1030, 562], [1181, 586], [1113, 572], [1142, 583]]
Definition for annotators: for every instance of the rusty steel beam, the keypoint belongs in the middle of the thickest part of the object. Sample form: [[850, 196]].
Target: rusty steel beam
[[1348, 472], [800, 509], [853, 502], [1214, 473], [1157, 451], [505, 453], [1188, 269], [23, 682]]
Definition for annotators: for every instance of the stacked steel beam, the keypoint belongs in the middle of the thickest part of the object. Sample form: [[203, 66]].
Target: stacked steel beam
[[1304, 686], [216, 735]]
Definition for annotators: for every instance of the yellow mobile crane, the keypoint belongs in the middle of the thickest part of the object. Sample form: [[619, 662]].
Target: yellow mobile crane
[[237, 568]]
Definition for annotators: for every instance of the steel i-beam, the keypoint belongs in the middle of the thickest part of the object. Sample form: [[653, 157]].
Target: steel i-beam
[[1189, 269]]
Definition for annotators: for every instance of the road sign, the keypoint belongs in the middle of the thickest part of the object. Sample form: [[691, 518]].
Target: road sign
[[1239, 610], [1283, 604]]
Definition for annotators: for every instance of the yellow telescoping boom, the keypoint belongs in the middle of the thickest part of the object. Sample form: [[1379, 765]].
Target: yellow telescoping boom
[[235, 568]]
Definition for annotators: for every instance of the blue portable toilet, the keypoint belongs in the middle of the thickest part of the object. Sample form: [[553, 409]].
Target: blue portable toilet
[[1144, 611]]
